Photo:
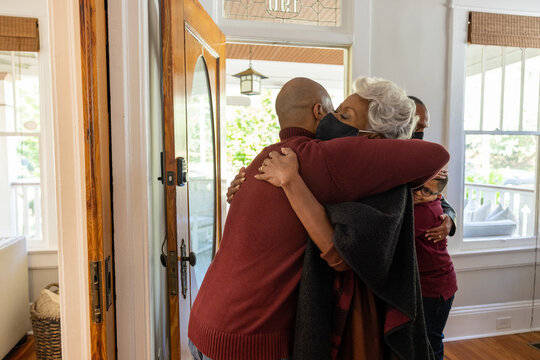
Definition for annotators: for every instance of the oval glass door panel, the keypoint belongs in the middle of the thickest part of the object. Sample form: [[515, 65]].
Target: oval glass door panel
[[202, 175]]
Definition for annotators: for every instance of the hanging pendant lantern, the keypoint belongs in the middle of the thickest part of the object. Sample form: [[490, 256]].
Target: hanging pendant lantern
[[250, 80]]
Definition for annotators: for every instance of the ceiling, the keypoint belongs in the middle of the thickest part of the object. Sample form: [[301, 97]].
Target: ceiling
[[284, 53]]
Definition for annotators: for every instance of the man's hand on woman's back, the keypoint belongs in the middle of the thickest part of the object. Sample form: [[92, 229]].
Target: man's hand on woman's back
[[235, 184]]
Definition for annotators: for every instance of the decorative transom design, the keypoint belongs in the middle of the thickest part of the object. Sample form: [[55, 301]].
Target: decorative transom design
[[305, 12]]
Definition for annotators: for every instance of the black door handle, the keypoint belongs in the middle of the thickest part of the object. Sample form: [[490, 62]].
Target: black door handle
[[192, 258]]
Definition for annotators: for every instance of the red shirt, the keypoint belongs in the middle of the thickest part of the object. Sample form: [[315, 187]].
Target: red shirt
[[246, 304], [437, 275]]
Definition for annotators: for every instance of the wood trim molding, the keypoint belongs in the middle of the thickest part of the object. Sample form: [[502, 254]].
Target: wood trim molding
[[96, 122]]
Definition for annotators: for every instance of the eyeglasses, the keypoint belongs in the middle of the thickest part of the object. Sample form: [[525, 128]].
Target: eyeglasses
[[426, 192]]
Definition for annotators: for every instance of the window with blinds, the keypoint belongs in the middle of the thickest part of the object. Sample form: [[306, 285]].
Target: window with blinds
[[22, 148], [501, 127]]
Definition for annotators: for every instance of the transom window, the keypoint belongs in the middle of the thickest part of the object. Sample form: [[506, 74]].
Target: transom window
[[305, 12], [501, 125]]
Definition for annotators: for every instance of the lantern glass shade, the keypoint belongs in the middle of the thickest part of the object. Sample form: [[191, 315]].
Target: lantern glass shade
[[246, 85], [250, 82], [256, 84]]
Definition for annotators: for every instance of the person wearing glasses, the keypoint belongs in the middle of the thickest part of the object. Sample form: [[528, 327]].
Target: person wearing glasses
[[437, 274], [448, 224]]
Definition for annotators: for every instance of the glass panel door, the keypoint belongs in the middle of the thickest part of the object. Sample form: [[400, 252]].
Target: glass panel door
[[201, 171]]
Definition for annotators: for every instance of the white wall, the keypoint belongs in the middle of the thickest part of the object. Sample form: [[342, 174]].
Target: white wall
[[42, 271], [408, 43]]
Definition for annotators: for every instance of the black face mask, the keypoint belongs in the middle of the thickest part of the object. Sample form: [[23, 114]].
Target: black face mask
[[418, 135], [331, 128]]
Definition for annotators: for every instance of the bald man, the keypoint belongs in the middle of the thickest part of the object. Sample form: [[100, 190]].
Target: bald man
[[246, 305]]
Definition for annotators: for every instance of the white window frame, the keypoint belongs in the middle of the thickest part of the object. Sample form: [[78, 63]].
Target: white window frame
[[49, 230], [266, 31], [456, 79]]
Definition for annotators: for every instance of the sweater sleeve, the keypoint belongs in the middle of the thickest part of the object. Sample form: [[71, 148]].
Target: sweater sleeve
[[449, 210], [361, 167]]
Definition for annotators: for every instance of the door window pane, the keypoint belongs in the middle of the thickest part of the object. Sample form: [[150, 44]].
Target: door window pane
[[201, 171]]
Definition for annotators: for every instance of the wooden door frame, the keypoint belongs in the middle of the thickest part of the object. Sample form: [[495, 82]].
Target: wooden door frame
[[96, 127], [69, 168]]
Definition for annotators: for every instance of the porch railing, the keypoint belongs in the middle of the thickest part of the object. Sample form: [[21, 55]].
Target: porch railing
[[521, 202], [26, 204]]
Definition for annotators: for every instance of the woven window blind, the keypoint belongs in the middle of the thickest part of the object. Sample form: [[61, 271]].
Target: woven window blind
[[504, 30], [19, 34]]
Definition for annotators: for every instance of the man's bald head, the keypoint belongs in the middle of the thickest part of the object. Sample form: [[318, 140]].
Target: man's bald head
[[301, 102]]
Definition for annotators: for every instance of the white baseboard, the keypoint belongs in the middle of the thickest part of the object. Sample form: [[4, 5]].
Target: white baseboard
[[469, 322]]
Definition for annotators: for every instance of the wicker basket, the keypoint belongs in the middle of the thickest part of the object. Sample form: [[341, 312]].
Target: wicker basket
[[46, 333]]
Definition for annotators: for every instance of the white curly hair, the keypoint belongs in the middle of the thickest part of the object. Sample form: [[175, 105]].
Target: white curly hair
[[391, 113]]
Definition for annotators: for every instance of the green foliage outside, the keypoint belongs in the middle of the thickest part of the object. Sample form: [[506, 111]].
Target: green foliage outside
[[28, 113], [250, 130], [508, 154], [28, 151]]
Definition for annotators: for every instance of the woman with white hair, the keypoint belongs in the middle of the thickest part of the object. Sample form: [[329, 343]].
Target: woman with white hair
[[378, 109], [377, 106]]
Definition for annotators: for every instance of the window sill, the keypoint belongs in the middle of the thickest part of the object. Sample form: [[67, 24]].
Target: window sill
[[42, 259], [39, 250], [494, 258]]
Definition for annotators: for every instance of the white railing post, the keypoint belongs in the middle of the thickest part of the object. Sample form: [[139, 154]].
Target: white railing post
[[22, 194], [37, 210], [25, 210]]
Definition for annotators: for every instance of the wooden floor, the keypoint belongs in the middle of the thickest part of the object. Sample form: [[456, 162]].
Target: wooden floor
[[24, 351], [507, 347]]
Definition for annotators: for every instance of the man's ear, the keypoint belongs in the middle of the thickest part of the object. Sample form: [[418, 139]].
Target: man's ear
[[439, 196], [318, 111]]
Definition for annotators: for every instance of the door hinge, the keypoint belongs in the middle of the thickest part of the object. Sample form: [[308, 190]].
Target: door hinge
[[172, 272], [97, 306]]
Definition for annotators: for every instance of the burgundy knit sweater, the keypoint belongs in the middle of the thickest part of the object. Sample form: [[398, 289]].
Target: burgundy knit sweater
[[245, 307], [437, 274]]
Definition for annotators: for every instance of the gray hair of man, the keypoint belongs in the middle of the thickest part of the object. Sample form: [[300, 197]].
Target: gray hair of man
[[391, 113]]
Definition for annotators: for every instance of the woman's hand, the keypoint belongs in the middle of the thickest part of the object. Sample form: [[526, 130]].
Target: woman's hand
[[235, 184], [279, 169], [440, 232]]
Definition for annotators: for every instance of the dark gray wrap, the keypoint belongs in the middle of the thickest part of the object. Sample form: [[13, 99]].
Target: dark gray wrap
[[376, 238]]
